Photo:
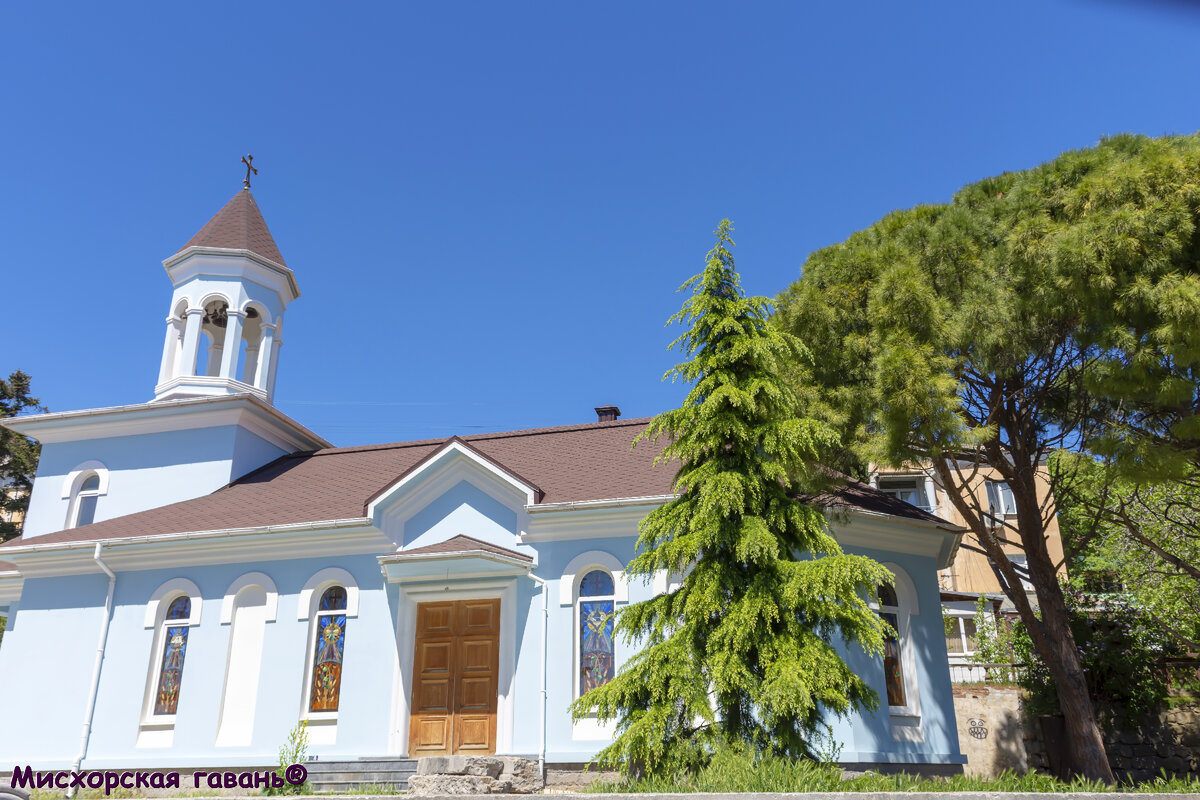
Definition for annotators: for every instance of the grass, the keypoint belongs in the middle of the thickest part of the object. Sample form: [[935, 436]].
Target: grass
[[741, 773]]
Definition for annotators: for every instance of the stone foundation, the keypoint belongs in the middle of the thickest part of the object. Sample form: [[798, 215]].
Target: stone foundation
[[452, 775]]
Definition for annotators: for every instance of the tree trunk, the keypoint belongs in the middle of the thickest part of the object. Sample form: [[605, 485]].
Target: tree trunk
[[1056, 645], [1052, 633]]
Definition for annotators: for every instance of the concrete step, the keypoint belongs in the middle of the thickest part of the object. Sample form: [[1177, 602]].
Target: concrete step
[[362, 777], [355, 787], [347, 776]]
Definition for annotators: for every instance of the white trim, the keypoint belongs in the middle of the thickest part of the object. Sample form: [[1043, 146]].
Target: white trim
[[434, 463], [260, 579], [74, 478], [196, 548], [161, 416], [157, 730], [223, 262], [243, 660], [866, 529], [310, 597], [580, 565], [76, 494], [11, 584], [665, 582], [406, 624], [264, 313], [321, 581], [584, 505], [905, 720], [172, 588]]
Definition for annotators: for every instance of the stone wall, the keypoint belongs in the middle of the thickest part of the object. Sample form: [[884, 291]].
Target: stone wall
[[991, 729], [996, 733]]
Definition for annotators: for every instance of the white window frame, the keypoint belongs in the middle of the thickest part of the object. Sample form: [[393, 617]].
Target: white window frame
[[919, 482], [1021, 561], [958, 617], [1005, 500], [310, 599], [156, 618], [578, 648], [74, 493], [906, 719]]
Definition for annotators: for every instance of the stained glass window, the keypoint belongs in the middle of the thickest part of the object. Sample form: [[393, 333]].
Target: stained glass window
[[170, 674], [595, 630], [893, 671], [330, 645]]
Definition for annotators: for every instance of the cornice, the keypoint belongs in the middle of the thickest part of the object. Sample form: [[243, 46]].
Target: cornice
[[276, 270], [198, 548], [10, 586], [161, 416]]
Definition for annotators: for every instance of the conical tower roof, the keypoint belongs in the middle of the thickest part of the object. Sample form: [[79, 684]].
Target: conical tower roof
[[238, 226]]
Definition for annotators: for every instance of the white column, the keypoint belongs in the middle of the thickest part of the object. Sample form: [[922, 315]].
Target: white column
[[251, 363], [191, 340], [170, 347], [233, 345], [266, 351], [274, 367], [213, 362]]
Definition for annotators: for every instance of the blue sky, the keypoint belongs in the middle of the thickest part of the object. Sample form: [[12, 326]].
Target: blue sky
[[489, 206]]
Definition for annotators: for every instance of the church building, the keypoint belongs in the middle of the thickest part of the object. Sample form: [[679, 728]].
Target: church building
[[200, 572]]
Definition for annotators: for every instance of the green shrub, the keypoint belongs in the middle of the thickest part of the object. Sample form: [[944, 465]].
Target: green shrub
[[295, 751], [1121, 648]]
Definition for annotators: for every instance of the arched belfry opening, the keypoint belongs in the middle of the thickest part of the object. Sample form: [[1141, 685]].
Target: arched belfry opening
[[231, 290]]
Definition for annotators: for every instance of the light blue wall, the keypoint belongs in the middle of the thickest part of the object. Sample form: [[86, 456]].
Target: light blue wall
[[145, 471], [462, 509], [49, 649], [867, 737], [53, 644]]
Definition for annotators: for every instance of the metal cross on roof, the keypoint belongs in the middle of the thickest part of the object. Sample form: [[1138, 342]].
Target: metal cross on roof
[[248, 160]]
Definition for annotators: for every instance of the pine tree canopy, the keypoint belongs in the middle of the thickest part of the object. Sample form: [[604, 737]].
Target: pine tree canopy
[[742, 652], [1054, 308], [1080, 277]]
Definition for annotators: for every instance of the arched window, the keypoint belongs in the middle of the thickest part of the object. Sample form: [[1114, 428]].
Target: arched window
[[594, 619], [893, 666], [174, 650], [82, 490], [85, 501], [897, 606], [327, 650]]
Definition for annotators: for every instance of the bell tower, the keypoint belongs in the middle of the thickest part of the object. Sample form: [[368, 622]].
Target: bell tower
[[224, 325]]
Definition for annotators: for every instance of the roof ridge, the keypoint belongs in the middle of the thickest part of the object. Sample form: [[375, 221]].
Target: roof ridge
[[472, 437]]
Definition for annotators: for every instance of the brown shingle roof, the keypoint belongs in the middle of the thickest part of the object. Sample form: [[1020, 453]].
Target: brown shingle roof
[[570, 463], [238, 226], [465, 544], [7, 566]]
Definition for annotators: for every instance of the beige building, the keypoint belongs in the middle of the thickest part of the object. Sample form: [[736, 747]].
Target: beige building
[[971, 574]]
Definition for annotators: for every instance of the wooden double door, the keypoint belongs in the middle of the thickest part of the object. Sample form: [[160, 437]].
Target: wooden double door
[[455, 676]]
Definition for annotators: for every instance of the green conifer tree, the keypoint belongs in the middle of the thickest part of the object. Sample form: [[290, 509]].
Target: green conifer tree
[[742, 653]]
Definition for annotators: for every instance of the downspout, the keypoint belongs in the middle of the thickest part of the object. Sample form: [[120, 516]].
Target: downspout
[[91, 705], [542, 721]]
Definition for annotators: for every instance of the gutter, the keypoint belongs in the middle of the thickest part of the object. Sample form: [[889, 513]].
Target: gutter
[[542, 715], [91, 704], [583, 505]]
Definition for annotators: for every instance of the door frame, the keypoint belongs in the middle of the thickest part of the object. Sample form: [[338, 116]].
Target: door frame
[[410, 595]]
